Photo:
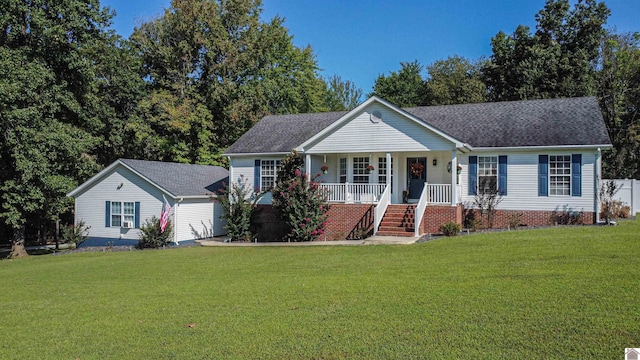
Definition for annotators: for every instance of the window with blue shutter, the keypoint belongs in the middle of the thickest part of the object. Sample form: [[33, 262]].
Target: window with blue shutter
[[502, 175], [543, 175], [107, 214], [576, 175], [136, 218], [256, 176], [473, 175]]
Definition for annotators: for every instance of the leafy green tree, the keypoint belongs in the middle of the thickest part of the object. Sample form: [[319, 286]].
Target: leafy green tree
[[558, 60], [47, 78], [342, 95], [454, 80], [299, 200], [213, 68], [404, 88], [619, 97], [239, 202]]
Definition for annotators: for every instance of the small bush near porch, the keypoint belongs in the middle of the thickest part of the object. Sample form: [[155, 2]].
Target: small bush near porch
[[551, 293]]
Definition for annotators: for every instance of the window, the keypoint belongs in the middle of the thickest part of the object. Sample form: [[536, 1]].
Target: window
[[268, 173], [559, 174], [382, 171], [360, 172], [122, 212], [343, 170], [487, 173]]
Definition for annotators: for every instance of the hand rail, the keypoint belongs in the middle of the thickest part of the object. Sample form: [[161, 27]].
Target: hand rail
[[381, 208], [419, 210]]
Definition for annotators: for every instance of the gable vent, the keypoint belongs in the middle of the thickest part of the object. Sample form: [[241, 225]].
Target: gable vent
[[375, 117]]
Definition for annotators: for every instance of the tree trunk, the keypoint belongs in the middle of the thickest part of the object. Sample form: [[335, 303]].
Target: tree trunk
[[17, 244]]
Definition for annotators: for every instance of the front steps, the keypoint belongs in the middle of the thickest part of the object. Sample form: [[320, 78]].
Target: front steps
[[398, 220]]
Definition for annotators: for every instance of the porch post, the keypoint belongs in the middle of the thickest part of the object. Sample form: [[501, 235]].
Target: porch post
[[454, 177], [307, 166], [388, 169]]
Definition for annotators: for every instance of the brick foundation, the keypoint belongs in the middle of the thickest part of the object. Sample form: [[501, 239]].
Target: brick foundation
[[266, 224], [434, 216], [346, 220], [507, 218], [349, 221]]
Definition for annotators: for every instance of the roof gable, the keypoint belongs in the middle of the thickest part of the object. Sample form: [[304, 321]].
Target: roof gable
[[175, 179]]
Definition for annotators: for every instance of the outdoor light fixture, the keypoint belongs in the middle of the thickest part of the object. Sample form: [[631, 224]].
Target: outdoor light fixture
[[435, 162]]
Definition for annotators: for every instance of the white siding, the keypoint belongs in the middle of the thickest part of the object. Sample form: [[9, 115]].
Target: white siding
[[522, 182], [197, 220], [394, 133], [90, 204], [90, 207]]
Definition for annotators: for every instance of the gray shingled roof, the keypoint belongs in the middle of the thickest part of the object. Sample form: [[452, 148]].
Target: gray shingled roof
[[181, 179], [550, 122], [282, 133]]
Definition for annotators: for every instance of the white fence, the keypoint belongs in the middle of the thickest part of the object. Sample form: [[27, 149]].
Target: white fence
[[629, 193]]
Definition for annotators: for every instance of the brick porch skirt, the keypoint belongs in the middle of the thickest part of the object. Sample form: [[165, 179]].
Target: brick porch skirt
[[350, 221]]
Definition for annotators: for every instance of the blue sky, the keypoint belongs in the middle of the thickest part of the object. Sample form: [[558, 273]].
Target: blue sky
[[360, 40]]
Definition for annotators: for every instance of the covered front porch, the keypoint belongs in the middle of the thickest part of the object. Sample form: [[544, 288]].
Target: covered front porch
[[385, 180], [407, 177]]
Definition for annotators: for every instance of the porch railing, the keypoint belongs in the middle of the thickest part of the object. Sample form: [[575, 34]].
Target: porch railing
[[353, 193], [385, 199], [419, 210], [438, 193]]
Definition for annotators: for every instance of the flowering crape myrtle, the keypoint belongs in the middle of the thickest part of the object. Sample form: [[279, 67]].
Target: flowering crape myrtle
[[300, 200]]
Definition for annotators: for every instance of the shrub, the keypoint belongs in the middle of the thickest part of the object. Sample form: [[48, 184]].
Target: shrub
[[238, 202], [450, 228], [614, 209], [470, 220], [486, 200], [300, 200], [151, 236], [75, 234], [514, 220], [566, 217], [609, 205]]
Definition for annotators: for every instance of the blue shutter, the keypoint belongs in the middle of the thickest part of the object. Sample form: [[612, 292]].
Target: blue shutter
[[543, 175], [473, 175], [502, 174], [576, 175], [136, 217], [256, 175], [107, 214]]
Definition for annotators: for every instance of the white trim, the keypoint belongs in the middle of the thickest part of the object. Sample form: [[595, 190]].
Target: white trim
[[105, 172], [255, 154], [348, 115], [535, 148]]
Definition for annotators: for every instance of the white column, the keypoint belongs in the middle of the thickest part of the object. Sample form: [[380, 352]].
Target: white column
[[597, 174], [454, 177], [388, 169], [307, 166]]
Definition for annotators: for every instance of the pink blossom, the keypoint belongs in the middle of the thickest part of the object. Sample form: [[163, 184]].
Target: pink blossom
[[298, 172], [307, 219]]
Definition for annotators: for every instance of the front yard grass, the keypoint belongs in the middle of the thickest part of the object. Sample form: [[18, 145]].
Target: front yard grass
[[570, 292]]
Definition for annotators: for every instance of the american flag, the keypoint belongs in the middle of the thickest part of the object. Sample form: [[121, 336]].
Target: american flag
[[164, 215]]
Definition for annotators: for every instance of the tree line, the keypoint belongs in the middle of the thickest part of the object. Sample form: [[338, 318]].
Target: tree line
[[569, 54], [75, 96]]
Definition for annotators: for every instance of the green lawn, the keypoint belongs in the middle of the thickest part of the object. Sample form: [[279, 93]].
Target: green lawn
[[551, 293]]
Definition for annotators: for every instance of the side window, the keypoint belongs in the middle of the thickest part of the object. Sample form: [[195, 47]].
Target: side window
[[268, 173]]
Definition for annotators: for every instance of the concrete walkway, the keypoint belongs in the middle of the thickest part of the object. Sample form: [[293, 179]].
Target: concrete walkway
[[374, 240]]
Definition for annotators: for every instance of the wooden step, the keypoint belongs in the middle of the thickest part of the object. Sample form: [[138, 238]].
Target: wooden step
[[395, 228], [396, 233]]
